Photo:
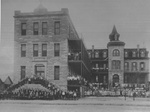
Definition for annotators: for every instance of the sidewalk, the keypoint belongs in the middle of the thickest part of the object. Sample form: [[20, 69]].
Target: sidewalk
[[112, 101]]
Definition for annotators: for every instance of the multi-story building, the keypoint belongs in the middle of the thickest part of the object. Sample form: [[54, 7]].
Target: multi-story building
[[117, 65], [47, 45]]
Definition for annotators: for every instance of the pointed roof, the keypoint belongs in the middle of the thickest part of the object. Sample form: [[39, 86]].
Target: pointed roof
[[8, 81], [1, 82], [40, 9], [114, 36], [114, 31]]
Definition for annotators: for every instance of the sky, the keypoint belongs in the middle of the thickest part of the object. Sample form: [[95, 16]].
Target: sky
[[93, 20]]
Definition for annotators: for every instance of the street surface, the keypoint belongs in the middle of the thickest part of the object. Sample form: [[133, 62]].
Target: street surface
[[88, 104]]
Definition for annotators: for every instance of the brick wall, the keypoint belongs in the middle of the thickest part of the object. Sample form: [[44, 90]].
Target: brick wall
[[29, 39]]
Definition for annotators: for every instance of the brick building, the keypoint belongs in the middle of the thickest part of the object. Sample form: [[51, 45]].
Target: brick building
[[117, 65], [44, 42], [47, 45]]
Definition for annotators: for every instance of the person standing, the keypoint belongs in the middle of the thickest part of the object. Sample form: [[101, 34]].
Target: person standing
[[134, 95]]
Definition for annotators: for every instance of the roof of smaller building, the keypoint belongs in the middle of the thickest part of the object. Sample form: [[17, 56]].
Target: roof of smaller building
[[8, 81]]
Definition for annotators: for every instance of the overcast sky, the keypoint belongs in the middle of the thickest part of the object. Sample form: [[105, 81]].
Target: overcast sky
[[93, 19]]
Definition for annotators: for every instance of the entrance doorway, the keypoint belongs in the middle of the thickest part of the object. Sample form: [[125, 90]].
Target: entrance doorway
[[40, 70], [115, 79]]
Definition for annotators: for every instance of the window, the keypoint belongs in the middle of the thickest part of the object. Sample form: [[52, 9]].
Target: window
[[56, 72], [44, 28], [57, 27], [134, 66], [96, 54], [104, 54], [116, 64], [116, 52], [142, 53], [113, 64], [126, 66], [44, 49], [126, 54], [97, 65], [23, 50], [35, 50], [23, 28], [23, 72], [89, 53], [133, 54], [142, 66], [56, 49], [35, 28], [40, 70]]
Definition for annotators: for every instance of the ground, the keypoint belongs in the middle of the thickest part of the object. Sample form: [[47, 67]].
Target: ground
[[88, 104]]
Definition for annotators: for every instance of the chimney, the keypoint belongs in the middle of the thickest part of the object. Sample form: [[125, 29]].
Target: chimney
[[138, 47], [92, 48]]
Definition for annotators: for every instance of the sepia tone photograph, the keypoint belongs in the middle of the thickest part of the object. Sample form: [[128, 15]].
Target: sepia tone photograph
[[75, 56]]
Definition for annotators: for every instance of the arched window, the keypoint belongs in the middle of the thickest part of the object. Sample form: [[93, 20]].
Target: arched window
[[116, 52], [104, 54], [133, 54], [96, 54], [134, 66], [142, 66], [142, 53], [115, 78], [126, 54]]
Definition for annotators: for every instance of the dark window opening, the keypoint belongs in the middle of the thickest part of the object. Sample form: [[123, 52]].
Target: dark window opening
[[23, 50], [44, 28], [56, 49], [35, 50], [57, 27], [44, 49], [23, 28], [35, 28], [56, 72], [23, 72]]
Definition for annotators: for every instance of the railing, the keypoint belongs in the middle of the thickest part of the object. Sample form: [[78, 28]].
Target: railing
[[99, 69]]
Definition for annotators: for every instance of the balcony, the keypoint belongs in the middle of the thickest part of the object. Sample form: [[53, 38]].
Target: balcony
[[94, 69]]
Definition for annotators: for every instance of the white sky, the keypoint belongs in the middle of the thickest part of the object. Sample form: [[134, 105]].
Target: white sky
[[93, 18]]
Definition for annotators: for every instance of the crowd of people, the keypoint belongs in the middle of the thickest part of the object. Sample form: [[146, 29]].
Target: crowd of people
[[74, 55], [37, 88], [31, 94], [118, 92], [76, 80]]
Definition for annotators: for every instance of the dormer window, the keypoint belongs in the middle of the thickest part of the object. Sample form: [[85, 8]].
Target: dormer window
[[104, 54], [142, 53], [126, 54], [133, 54], [89, 53], [96, 54]]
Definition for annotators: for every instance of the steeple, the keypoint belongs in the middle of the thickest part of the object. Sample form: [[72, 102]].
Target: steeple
[[114, 36]]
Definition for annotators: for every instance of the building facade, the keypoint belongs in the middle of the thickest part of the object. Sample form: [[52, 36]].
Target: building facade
[[44, 42], [118, 66]]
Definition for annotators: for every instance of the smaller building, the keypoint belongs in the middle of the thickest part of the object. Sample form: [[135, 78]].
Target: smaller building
[[119, 66]]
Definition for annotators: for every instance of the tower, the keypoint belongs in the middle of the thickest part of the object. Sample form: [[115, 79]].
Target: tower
[[115, 59]]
